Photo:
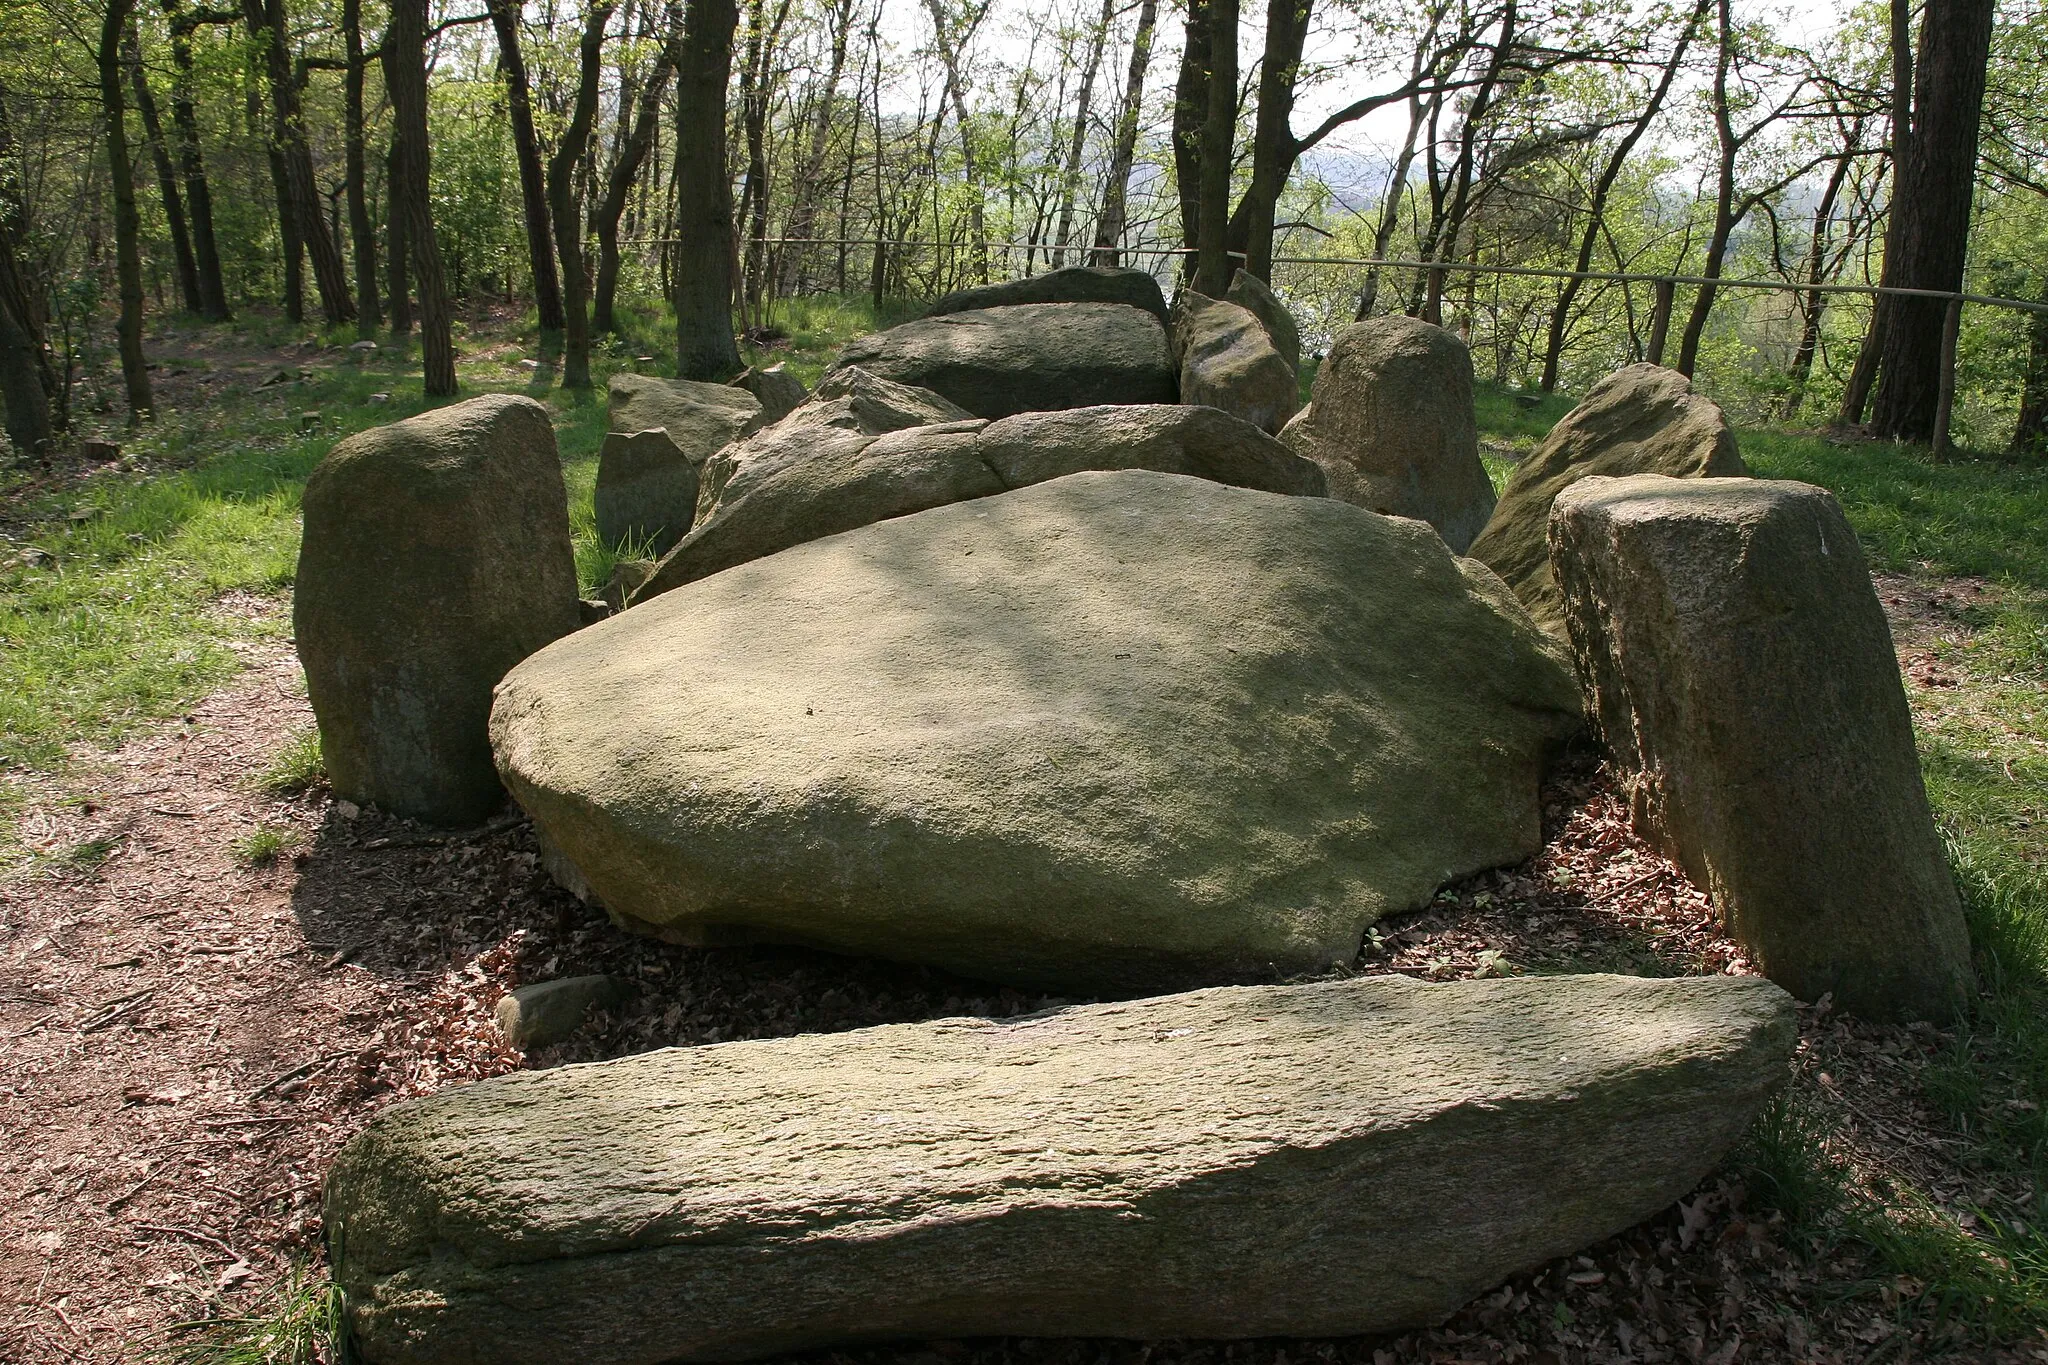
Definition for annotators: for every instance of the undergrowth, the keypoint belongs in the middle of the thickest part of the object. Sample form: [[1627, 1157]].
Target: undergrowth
[[299, 1322]]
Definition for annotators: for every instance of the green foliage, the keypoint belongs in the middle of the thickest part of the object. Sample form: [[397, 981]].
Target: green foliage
[[261, 846], [297, 768], [299, 1322]]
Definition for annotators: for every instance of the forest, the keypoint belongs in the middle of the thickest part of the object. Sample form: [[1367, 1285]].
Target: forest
[[609, 170]]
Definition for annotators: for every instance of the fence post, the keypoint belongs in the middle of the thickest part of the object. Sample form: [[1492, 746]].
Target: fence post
[[1951, 324], [1660, 320]]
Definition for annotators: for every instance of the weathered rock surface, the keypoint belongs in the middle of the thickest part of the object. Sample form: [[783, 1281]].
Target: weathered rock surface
[[1255, 296], [780, 392], [646, 490], [849, 408], [1742, 673], [700, 418], [547, 1012], [1027, 357], [1227, 361], [1390, 420], [435, 556], [843, 486], [1113, 732], [1644, 419], [1074, 284], [1319, 1160]]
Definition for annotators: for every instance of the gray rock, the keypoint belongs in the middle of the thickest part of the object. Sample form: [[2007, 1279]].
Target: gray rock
[[625, 579], [1228, 362], [435, 556], [1332, 1159], [1113, 732], [1390, 421], [1641, 420], [995, 362], [780, 392], [1256, 297], [646, 491], [549, 1012], [700, 418], [845, 484], [1074, 284], [1742, 674]]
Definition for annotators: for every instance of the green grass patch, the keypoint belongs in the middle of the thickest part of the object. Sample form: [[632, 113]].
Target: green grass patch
[[298, 1323], [263, 845], [297, 768]]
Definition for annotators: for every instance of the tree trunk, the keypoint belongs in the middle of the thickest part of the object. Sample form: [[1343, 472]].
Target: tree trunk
[[1190, 115], [1814, 302], [24, 384], [533, 193], [213, 294], [362, 233], [1212, 241], [803, 220], [619, 186], [950, 45], [1070, 178], [166, 178], [405, 79], [127, 221], [397, 282], [1109, 223], [1596, 210], [1863, 375], [1724, 199], [1928, 245], [1419, 110], [266, 21], [562, 202], [2030, 436], [756, 95], [704, 278], [1273, 134]]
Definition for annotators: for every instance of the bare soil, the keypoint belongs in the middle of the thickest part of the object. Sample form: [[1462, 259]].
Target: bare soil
[[188, 1038]]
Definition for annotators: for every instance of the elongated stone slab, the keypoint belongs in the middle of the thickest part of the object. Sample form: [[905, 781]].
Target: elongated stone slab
[[1324, 1159]]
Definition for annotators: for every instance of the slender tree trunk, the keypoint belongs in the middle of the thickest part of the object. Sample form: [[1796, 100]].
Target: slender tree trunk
[[1929, 243], [704, 278], [397, 281], [1070, 177], [1596, 210], [24, 382], [803, 220], [1190, 116], [405, 79], [213, 294], [1109, 223], [562, 200], [1390, 202], [1863, 375], [756, 95], [625, 171], [1813, 303], [1273, 135], [127, 221], [362, 232], [950, 45], [1212, 241], [166, 178], [533, 193], [1724, 200], [266, 21], [2030, 435]]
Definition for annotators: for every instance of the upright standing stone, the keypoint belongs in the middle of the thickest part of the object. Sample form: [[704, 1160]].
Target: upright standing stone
[[1641, 420], [435, 557], [700, 418], [646, 491], [780, 392], [1390, 420], [1742, 674], [1327, 1159], [1227, 361], [1254, 295]]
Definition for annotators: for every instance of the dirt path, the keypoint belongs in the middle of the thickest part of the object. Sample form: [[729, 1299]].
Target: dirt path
[[185, 1040]]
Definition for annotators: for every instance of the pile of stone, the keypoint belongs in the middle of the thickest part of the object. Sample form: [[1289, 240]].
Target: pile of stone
[[989, 655]]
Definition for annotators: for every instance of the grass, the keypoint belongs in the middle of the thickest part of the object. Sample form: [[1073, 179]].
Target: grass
[[298, 1323], [263, 845], [297, 768]]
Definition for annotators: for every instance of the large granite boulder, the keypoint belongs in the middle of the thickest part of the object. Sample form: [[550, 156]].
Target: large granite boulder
[[435, 556], [1390, 420], [646, 491], [1256, 297], [847, 484], [1641, 420], [1114, 732], [700, 418], [849, 408], [1026, 357], [1228, 361], [1074, 284], [1742, 674], [1331, 1159]]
